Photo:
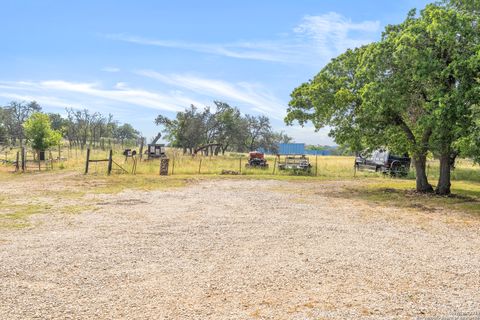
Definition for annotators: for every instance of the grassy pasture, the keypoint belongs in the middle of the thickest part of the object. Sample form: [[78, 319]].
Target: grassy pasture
[[368, 185]]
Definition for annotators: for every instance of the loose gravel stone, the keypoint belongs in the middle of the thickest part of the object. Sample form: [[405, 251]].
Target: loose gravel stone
[[240, 249]]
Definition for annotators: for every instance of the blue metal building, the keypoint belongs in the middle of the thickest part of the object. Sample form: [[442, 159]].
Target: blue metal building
[[291, 148]]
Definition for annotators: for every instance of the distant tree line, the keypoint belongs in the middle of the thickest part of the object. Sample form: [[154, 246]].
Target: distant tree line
[[224, 128], [333, 150], [80, 128]]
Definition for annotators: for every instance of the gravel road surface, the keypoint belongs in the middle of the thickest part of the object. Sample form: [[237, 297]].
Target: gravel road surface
[[241, 249]]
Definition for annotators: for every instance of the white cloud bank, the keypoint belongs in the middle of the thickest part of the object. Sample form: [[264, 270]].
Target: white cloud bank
[[249, 97], [255, 96], [179, 91], [315, 40]]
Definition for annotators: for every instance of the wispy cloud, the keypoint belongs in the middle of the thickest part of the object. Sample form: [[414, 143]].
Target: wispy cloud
[[242, 50], [315, 39], [121, 93], [331, 33], [255, 96]]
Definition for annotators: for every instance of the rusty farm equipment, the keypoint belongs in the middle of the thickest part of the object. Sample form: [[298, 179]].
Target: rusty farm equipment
[[256, 159]]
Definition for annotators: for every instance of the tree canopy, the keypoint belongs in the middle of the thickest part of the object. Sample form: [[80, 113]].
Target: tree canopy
[[39, 132], [225, 126], [12, 118]]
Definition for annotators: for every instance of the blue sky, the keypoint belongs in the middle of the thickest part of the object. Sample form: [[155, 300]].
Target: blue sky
[[138, 59]]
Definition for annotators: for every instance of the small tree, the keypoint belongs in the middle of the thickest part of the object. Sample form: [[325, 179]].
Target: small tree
[[125, 132], [39, 133]]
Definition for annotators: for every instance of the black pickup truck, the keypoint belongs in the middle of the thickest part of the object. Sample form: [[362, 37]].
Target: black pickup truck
[[384, 161]]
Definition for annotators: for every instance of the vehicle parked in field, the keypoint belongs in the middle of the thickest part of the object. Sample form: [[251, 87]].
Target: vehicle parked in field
[[295, 163], [256, 159], [385, 162]]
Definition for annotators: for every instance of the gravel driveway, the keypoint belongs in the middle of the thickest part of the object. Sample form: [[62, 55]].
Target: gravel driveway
[[241, 249]]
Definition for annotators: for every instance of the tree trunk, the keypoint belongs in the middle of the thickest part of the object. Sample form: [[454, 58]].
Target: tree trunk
[[224, 148], [443, 187], [420, 162]]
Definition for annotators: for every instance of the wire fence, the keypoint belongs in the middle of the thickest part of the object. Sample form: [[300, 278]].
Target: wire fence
[[65, 158]]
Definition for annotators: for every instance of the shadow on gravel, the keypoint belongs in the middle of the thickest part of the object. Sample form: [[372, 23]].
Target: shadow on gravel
[[403, 197]]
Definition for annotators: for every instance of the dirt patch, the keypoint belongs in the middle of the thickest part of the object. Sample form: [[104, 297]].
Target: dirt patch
[[240, 249]]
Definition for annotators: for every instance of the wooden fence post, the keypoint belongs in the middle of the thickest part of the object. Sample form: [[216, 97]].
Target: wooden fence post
[[173, 163], [134, 165], [316, 165], [200, 166], [274, 165], [141, 148], [240, 165], [88, 161], [110, 160], [23, 159]]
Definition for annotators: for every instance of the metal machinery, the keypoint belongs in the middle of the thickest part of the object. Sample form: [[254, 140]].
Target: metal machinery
[[295, 163], [256, 159], [156, 150]]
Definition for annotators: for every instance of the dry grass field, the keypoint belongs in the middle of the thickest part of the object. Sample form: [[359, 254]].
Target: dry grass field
[[253, 246]]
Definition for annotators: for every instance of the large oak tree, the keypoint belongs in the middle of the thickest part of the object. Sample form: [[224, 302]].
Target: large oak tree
[[414, 90]]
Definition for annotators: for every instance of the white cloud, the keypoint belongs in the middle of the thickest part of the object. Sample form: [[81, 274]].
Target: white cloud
[[331, 32], [257, 97], [86, 92], [179, 91], [314, 40], [241, 50]]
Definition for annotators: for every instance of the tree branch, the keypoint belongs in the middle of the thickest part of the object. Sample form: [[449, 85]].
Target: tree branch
[[399, 122]]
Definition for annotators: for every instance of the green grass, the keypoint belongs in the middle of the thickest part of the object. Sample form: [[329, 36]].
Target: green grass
[[399, 193], [15, 216], [326, 166]]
